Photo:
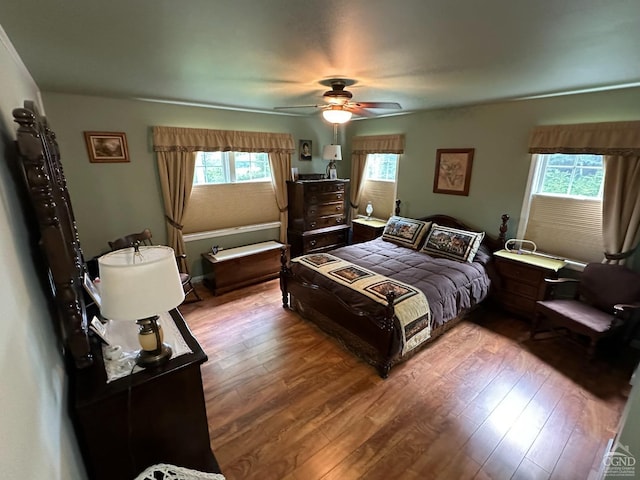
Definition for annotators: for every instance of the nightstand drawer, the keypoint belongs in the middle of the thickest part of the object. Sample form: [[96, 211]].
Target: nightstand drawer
[[512, 285], [520, 272]]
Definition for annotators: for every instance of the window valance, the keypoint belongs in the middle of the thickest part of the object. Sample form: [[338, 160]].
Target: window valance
[[378, 144], [610, 138], [176, 139]]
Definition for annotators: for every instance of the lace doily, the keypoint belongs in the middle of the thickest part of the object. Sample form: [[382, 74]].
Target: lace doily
[[163, 471]]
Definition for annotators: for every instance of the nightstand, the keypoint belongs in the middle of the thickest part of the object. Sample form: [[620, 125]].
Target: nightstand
[[522, 280], [366, 229]]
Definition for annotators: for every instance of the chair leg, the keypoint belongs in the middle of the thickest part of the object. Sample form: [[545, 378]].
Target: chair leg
[[591, 351], [193, 290], [534, 325]]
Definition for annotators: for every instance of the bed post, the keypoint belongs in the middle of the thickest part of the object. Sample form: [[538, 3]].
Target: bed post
[[503, 230], [284, 271], [397, 210]]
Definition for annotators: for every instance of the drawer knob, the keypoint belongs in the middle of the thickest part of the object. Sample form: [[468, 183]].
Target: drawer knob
[[338, 208], [313, 243], [313, 224], [339, 195], [312, 211]]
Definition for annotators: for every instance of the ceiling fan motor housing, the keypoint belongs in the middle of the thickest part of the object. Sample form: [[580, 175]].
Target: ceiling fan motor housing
[[337, 95]]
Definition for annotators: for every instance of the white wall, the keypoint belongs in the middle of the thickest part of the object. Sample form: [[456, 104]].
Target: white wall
[[37, 440]]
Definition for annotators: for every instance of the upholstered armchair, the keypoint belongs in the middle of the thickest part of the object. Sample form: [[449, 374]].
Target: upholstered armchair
[[603, 302]]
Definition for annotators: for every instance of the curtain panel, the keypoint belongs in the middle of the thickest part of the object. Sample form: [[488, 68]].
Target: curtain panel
[[609, 138], [360, 148]]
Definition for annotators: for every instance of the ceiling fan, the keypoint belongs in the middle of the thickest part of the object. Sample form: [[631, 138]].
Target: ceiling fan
[[339, 107]]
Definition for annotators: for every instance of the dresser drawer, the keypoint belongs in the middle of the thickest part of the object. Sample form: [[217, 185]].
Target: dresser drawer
[[521, 272], [323, 187], [312, 223], [325, 241], [314, 211], [324, 197]]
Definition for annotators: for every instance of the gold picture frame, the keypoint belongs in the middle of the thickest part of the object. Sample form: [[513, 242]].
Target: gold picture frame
[[453, 171], [107, 147]]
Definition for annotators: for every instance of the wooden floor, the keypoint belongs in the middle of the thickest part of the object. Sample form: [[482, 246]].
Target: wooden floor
[[285, 401]]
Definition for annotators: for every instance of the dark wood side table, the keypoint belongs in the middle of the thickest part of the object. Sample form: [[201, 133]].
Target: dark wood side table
[[364, 229], [522, 280], [150, 417]]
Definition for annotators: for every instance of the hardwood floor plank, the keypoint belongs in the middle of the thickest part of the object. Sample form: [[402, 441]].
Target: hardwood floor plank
[[285, 401]]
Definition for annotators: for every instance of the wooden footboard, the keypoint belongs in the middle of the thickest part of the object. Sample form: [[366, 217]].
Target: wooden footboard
[[377, 340]]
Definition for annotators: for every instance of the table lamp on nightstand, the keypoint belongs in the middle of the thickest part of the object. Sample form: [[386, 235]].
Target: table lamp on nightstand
[[137, 284]]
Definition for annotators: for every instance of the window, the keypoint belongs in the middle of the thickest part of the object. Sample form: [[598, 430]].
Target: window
[[573, 175], [379, 184], [562, 214], [231, 167], [381, 166]]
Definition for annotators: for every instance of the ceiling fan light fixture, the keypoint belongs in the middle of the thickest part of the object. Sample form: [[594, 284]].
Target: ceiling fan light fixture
[[336, 115]]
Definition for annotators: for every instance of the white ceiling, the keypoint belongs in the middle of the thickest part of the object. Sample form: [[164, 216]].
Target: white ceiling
[[259, 54]]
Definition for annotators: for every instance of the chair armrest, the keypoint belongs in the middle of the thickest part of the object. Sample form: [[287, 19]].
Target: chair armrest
[[557, 281], [625, 307]]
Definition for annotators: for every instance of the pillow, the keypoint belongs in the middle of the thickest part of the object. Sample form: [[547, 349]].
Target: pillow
[[406, 232], [452, 243]]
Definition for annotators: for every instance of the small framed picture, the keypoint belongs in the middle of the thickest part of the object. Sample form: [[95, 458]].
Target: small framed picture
[[106, 147], [306, 150], [453, 171]]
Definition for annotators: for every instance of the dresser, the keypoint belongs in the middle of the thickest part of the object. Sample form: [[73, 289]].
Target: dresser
[[153, 416], [522, 280], [317, 215]]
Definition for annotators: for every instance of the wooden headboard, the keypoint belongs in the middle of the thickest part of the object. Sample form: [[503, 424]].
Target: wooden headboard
[[47, 189]]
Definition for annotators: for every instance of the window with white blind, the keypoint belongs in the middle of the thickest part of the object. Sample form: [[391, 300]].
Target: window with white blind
[[230, 190], [562, 212], [379, 184]]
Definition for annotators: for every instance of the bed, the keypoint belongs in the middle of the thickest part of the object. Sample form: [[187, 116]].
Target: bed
[[377, 329]]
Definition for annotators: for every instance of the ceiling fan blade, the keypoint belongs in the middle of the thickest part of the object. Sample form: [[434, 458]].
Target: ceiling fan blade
[[297, 106], [388, 105], [357, 110]]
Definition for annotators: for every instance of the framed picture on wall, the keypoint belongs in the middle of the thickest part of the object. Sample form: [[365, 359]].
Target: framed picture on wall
[[453, 171], [106, 147], [306, 150]]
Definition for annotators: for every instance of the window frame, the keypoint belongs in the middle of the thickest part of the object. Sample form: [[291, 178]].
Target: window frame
[[367, 177]]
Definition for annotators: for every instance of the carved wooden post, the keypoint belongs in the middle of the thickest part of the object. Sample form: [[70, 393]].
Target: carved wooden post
[[284, 270], [503, 230]]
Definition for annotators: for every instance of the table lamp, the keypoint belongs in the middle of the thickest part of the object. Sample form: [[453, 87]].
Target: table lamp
[[137, 284], [332, 153]]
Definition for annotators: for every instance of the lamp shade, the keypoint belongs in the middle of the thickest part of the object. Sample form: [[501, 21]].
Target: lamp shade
[[336, 114], [136, 286], [332, 152]]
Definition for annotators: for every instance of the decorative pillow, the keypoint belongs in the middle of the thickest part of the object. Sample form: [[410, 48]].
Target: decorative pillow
[[406, 232], [452, 243]]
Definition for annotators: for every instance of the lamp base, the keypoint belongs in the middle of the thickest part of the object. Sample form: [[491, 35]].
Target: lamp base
[[332, 172], [154, 352], [155, 358]]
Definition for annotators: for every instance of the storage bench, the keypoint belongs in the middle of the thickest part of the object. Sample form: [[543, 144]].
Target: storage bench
[[240, 266]]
